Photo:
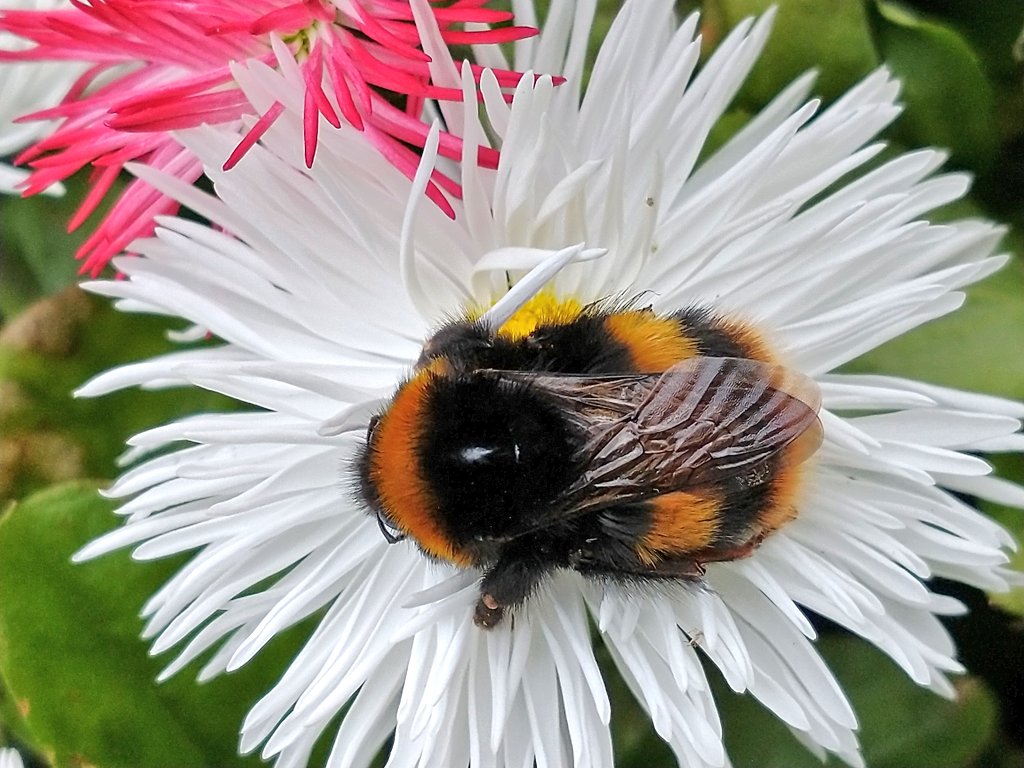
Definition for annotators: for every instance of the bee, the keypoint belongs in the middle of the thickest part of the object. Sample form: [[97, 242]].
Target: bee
[[612, 441]]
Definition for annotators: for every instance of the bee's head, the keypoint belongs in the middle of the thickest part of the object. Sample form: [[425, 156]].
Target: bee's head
[[464, 342], [463, 462]]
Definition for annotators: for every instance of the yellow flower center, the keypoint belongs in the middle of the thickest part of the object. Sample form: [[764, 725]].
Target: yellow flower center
[[543, 309]]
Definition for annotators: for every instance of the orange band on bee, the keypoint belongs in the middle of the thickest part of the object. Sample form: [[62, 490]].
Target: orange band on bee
[[681, 522], [788, 481], [404, 492], [654, 343]]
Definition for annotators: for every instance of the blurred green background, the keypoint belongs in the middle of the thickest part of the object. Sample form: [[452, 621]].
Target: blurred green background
[[77, 683]]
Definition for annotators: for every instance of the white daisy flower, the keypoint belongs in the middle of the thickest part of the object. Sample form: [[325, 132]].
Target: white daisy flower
[[26, 88], [322, 285], [9, 758]]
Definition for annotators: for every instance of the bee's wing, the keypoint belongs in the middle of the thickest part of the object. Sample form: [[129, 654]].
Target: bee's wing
[[702, 421]]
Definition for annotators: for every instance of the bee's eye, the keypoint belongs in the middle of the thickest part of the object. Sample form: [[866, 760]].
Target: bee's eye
[[371, 428], [389, 529]]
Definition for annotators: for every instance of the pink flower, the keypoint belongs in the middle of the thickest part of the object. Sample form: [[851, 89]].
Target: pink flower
[[163, 65]]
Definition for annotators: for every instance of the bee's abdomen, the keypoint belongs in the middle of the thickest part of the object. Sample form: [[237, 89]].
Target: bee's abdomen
[[714, 517], [717, 336], [656, 343], [717, 518], [680, 522]]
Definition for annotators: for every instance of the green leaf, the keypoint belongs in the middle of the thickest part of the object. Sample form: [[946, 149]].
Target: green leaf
[[992, 27], [832, 36], [46, 435], [34, 231], [12, 724], [949, 101], [901, 724], [72, 660], [38, 252], [904, 725]]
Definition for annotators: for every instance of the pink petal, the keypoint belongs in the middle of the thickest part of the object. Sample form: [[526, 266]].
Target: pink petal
[[313, 74], [378, 31], [260, 127], [485, 36], [413, 131], [210, 108], [290, 18], [159, 65], [336, 62]]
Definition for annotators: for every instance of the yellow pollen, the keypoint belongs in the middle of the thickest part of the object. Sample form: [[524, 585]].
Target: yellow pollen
[[543, 309]]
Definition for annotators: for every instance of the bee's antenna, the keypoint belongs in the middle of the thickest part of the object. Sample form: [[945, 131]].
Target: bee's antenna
[[535, 279]]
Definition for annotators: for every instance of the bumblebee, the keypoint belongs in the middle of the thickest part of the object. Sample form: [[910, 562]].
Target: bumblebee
[[616, 442]]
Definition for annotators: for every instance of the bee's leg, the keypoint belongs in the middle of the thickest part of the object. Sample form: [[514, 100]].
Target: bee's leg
[[488, 612], [509, 582], [724, 555]]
